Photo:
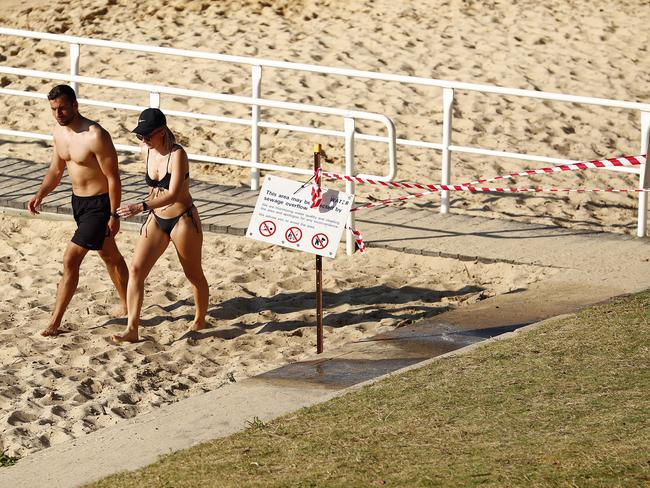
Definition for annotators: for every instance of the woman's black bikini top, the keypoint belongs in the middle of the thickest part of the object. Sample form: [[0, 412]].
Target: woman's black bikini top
[[165, 180]]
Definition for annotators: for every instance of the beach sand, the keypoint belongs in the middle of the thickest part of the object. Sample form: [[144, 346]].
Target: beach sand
[[261, 316], [579, 47], [261, 307]]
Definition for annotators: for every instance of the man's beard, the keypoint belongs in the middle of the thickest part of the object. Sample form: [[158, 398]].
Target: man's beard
[[65, 121]]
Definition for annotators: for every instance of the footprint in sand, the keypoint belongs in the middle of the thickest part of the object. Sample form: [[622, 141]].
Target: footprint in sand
[[59, 411], [19, 417], [90, 387], [125, 412], [127, 399]]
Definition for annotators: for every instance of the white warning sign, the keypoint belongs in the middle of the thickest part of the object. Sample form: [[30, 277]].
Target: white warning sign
[[283, 216]]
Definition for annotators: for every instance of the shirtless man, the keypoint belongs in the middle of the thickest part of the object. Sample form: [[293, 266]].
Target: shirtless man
[[87, 150]]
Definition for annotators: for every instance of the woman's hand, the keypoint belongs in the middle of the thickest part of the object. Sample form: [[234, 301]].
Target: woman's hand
[[129, 210]]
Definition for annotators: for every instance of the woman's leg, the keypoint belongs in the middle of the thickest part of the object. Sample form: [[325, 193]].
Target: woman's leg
[[150, 246], [188, 240]]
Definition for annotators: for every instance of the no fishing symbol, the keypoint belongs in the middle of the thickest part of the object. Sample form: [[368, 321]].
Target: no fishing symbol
[[320, 241], [293, 234], [267, 228]]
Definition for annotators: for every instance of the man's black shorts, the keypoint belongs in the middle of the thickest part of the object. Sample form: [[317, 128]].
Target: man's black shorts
[[92, 215]]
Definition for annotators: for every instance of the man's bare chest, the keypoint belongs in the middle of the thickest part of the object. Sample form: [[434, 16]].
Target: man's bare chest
[[75, 149]]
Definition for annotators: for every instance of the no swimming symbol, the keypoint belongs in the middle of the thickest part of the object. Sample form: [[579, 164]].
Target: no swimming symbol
[[267, 228]]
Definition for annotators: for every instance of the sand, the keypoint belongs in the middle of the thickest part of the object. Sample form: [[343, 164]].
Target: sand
[[261, 311], [579, 47], [261, 316]]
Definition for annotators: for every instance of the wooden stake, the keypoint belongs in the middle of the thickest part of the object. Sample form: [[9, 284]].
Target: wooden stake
[[319, 273]]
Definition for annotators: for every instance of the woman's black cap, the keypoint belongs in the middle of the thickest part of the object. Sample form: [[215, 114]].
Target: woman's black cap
[[150, 119]]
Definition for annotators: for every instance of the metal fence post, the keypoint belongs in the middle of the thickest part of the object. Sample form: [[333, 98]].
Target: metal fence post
[[644, 178], [256, 72], [154, 100], [447, 114], [349, 185], [75, 53]]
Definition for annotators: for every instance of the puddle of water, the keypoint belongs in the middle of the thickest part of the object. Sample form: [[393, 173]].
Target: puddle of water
[[336, 373], [405, 346], [377, 356]]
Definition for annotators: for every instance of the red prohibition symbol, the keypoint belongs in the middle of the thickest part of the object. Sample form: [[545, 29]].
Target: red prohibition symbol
[[267, 228], [320, 241], [293, 234]]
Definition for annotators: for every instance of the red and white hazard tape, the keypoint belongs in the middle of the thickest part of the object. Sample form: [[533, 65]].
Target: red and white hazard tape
[[475, 189], [317, 198], [623, 161], [358, 239], [316, 193]]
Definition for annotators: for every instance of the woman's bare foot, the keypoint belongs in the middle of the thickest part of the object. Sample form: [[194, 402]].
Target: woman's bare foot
[[128, 336], [118, 311], [51, 331], [197, 325]]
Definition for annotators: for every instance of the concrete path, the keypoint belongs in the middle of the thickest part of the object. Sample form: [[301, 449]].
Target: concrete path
[[591, 267]]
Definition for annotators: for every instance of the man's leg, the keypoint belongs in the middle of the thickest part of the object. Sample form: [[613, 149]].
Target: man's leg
[[117, 269], [72, 259]]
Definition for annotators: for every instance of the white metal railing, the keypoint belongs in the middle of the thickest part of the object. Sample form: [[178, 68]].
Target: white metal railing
[[449, 87], [349, 117]]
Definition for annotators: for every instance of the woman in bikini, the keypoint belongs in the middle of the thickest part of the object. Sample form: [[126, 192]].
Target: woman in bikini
[[172, 217]]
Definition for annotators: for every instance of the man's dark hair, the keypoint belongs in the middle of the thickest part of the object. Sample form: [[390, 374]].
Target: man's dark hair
[[62, 91]]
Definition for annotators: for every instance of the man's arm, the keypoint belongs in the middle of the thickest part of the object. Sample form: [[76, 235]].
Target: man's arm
[[106, 155], [50, 181]]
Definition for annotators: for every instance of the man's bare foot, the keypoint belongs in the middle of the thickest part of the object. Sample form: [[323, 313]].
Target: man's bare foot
[[51, 331], [128, 336], [197, 325]]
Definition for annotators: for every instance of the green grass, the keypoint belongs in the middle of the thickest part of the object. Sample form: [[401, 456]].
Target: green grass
[[6, 460], [564, 404]]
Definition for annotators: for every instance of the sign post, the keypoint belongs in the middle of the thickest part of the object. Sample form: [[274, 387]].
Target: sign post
[[319, 269], [287, 215]]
